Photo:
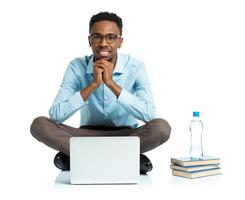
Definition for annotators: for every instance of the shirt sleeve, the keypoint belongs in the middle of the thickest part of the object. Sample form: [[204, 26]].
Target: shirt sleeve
[[68, 100], [140, 103]]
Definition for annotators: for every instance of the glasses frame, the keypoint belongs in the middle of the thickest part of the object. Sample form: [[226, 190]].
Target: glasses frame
[[102, 37]]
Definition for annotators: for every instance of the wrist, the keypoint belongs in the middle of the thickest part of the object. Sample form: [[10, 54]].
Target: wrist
[[116, 89], [95, 84], [109, 83]]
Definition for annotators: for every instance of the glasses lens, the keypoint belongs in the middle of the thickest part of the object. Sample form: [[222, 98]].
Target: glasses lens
[[110, 38], [96, 38]]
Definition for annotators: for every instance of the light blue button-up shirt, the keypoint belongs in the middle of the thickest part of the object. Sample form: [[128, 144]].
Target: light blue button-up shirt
[[103, 107]]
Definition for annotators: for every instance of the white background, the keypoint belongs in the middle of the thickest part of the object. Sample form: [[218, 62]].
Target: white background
[[194, 52]]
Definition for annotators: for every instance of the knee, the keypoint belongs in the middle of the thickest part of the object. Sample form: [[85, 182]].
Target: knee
[[37, 125], [162, 129]]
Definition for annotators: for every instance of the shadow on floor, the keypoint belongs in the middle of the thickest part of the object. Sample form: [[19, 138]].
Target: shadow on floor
[[63, 178]]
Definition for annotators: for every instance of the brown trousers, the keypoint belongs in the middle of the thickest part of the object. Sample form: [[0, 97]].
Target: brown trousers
[[56, 136]]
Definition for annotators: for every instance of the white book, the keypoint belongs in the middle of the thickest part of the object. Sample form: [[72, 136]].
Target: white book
[[187, 161]]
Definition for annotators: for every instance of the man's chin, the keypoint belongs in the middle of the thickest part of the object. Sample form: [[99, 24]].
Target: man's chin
[[108, 58]]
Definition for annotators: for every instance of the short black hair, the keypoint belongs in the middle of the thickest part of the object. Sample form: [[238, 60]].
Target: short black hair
[[106, 16]]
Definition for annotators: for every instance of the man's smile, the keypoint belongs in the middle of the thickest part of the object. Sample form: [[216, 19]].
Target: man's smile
[[103, 52]]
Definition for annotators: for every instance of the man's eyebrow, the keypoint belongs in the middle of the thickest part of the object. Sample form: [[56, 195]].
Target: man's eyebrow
[[103, 34]]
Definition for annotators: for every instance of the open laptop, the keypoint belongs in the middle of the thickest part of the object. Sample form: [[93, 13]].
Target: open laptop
[[104, 160]]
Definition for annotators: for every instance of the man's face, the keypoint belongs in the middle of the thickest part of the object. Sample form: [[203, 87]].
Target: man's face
[[104, 40]]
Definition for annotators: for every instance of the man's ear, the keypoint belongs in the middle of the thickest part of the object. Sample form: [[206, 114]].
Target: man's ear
[[89, 41], [120, 43]]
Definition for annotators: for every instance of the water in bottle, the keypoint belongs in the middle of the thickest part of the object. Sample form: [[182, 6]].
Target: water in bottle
[[196, 129]]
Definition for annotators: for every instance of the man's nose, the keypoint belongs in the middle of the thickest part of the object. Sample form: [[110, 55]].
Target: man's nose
[[103, 42]]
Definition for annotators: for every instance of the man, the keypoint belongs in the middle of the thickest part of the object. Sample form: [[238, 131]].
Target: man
[[112, 92]]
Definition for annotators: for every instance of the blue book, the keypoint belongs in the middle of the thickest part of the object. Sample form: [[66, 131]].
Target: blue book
[[193, 168]]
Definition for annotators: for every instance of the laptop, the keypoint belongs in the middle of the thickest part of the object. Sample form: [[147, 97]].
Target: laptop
[[104, 160]]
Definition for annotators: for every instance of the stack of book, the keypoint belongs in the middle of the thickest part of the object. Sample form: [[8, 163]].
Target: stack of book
[[188, 168]]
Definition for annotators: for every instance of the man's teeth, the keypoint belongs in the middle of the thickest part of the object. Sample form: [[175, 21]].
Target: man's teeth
[[104, 53]]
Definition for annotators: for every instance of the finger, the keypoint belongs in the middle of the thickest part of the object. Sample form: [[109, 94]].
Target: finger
[[98, 64], [99, 69], [102, 62], [101, 66]]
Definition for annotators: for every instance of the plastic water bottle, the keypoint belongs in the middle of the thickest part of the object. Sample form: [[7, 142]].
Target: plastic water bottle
[[196, 129]]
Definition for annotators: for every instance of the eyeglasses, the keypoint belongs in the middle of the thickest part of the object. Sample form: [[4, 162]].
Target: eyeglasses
[[110, 38]]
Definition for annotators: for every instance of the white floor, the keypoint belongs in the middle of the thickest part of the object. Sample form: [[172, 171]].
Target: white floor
[[29, 173]]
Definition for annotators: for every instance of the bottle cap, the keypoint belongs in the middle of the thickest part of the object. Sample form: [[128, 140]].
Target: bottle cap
[[196, 114]]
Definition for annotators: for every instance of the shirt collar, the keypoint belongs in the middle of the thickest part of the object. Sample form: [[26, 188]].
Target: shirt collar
[[119, 68]]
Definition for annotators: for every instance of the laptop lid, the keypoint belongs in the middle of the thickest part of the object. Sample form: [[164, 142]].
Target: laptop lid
[[104, 160]]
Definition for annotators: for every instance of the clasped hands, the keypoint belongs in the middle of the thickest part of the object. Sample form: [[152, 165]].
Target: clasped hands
[[102, 70]]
